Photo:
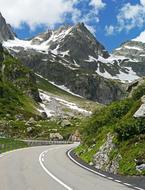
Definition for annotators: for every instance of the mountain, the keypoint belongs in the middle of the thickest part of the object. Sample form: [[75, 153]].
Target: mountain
[[72, 57], [134, 50], [29, 112], [5, 30]]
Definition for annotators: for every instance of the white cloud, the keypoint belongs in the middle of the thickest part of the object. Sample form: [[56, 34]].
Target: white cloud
[[35, 12], [93, 14], [129, 17], [109, 30], [97, 4], [142, 2], [50, 12]]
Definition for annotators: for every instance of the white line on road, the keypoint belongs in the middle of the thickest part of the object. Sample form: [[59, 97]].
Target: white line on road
[[138, 188], [49, 173], [102, 175], [118, 181]]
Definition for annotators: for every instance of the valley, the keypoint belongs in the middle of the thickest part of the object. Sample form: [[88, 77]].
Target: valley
[[63, 84]]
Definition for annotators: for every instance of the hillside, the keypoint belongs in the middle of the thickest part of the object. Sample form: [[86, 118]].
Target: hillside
[[29, 112], [18, 90], [113, 139]]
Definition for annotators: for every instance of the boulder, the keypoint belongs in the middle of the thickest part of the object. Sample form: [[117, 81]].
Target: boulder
[[31, 121], [56, 136], [29, 129], [140, 113], [66, 123], [140, 167]]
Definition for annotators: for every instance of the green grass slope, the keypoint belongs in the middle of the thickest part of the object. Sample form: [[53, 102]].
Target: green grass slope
[[18, 90], [129, 133]]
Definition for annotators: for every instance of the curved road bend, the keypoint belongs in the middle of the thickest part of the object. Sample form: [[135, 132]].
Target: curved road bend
[[48, 168]]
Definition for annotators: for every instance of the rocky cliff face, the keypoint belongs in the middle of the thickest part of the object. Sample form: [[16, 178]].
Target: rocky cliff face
[[70, 56], [134, 50], [80, 81], [102, 158], [5, 30], [75, 43]]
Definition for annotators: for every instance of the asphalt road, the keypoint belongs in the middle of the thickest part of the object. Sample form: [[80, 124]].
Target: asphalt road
[[48, 168]]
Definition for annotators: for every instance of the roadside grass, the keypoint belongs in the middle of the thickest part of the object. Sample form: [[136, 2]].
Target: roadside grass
[[131, 150], [38, 130], [128, 131], [7, 144], [86, 151]]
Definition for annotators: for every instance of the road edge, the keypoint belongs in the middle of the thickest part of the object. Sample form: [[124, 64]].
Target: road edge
[[127, 181]]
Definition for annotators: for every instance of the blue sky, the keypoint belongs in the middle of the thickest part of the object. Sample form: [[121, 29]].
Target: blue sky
[[111, 21]]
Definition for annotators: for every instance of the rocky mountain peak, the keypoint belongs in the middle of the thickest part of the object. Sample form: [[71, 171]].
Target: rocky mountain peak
[[6, 32], [140, 38]]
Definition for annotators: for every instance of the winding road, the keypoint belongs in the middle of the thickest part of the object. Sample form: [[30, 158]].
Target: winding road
[[48, 168]]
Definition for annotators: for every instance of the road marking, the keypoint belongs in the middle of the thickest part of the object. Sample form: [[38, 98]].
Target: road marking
[[102, 175], [138, 188], [49, 173], [127, 184], [42, 159], [118, 181], [111, 178]]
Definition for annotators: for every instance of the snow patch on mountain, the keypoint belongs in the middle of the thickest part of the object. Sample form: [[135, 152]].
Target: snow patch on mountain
[[62, 87], [127, 76], [140, 38], [109, 60], [55, 106], [24, 44], [133, 47]]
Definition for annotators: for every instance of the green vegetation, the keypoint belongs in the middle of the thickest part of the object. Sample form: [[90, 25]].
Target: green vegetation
[[36, 130], [17, 88], [129, 133], [10, 144]]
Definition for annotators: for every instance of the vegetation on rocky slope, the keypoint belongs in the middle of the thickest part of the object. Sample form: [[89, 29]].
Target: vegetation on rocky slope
[[18, 90], [19, 98], [128, 134]]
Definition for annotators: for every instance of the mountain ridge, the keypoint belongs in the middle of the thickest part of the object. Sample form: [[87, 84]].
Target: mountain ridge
[[71, 56]]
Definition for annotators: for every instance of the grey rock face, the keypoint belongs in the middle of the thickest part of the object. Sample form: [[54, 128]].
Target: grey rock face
[[140, 113], [56, 136], [5, 30], [102, 160], [135, 52], [83, 81], [71, 58], [77, 39], [140, 167]]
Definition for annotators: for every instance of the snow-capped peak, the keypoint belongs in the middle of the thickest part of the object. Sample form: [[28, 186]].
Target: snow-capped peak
[[140, 38]]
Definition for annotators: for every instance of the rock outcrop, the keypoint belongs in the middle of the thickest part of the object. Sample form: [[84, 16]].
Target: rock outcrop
[[140, 113], [5, 30], [102, 158]]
